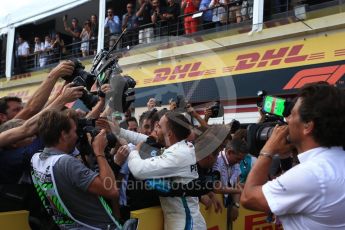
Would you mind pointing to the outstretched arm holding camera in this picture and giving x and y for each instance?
(208, 113)
(99, 107)
(194, 114)
(29, 128)
(40, 97)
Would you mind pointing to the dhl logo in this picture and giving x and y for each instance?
(331, 74)
(181, 71)
(270, 58)
(247, 61)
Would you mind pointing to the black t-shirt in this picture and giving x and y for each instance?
(76, 30)
(139, 197)
(174, 10)
(94, 30)
(145, 17)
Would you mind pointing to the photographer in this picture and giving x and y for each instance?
(17, 145)
(311, 194)
(177, 161)
(74, 189)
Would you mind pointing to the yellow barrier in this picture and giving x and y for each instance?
(149, 218)
(214, 221)
(152, 218)
(252, 220)
(16, 220)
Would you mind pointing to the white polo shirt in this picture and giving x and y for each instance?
(311, 195)
(23, 49)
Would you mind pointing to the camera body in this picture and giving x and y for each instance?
(181, 104)
(274, 109)
(108, 71)
(123, 93)
(217, 110)
(258, 134)
(86, 126)
(80, 77)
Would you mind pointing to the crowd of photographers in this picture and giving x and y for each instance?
(77, 170)
(82, 170)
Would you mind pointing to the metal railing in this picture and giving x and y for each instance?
(237, 14)
(164, 29)
(2, 67)
(287, 8)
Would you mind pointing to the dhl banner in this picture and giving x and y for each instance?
(243, 60)
(251, 220)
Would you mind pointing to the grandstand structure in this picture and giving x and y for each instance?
(275, 48)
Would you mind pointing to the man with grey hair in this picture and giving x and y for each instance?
(228, 166)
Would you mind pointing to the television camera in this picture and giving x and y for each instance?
(105, 70)
(274, 109)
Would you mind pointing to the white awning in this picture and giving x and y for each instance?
(34, 11)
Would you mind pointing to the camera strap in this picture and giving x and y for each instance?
(44, 181)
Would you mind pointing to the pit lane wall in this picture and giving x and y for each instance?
(152, 218)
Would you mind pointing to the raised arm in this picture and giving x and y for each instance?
(141, 10)
(29, 128)
(104, 184)
(194, 114)
(40, 97)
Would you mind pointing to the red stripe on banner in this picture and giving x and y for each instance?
(213, 228)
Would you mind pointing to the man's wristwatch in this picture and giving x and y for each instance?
(237, 205)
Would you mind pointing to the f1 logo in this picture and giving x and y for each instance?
(331, 74)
